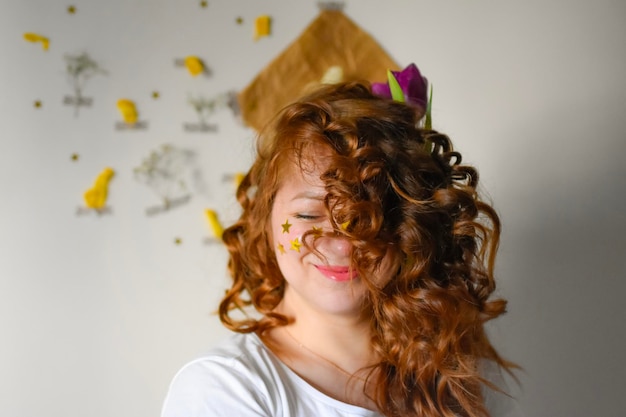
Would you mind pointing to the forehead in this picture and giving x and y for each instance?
(301, 178)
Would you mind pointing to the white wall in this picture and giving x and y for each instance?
(97, 313)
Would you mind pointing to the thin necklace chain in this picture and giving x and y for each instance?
(317, 355)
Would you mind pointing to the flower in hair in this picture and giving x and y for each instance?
(407, 86)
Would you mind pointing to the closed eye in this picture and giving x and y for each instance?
(302, 216)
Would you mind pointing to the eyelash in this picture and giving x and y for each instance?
(306, 217)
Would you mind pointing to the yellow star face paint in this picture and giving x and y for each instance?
(286, 226)
(296, 245)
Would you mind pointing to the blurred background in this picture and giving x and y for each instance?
(99, 308)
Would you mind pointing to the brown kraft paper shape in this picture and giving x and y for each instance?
(332, 39)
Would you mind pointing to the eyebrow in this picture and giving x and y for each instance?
(309, 195)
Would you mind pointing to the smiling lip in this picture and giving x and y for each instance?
(337, 273)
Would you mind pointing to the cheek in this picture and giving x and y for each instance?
(288, 238)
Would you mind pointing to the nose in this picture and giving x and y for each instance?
(334, 247)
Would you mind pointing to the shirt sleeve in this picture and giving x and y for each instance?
(213, 388)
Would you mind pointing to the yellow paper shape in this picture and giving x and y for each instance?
(128, 110)
(34, 37)
(238, 178)
(262, 26)
(214, 223)
(96, 196)
(194, 65)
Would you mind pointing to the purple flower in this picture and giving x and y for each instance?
(414, 86)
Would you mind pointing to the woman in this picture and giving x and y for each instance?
(362, 267)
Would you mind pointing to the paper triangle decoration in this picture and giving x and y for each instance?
(331, 40)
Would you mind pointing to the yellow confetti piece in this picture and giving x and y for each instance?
(238, 178)
(262, 26)
(194, 65)
(281, 248)
(344, 225)
(286, 226)
(317, 231)
(96, 196)
(34, 37)
(178, 241)
(156, 95)
(38, 104)
(204, 3)
(239, 20)
(214, 223)
(71, 9)
(296, 245)
(74, 157)
(128, 110)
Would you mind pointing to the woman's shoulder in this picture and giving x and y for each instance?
(241, 377)
(232, 378)
(235, 350)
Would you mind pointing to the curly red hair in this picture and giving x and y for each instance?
(405, 195)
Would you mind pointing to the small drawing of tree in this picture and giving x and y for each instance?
(80, 68)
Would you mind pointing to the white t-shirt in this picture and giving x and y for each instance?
(243, 378)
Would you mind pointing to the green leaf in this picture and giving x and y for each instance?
(428, 122)
(394, 87)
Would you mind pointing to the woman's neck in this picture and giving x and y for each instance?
(331, 352)
(339, 339)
